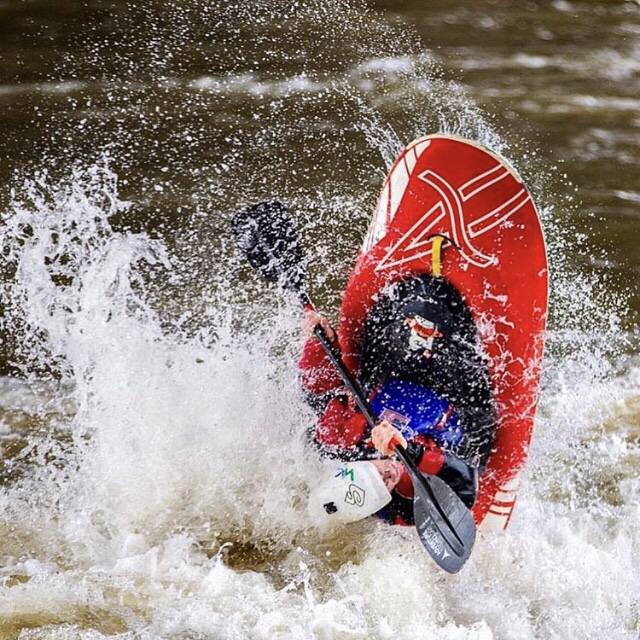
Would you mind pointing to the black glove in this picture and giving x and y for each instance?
(461, 477)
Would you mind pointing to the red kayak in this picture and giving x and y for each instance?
(451, 208)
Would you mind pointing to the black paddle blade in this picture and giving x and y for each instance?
(267, 236)
(445, 525)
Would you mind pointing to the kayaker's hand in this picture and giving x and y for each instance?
(311, 319)
(385, 437)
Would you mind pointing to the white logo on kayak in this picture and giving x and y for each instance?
(417, 242)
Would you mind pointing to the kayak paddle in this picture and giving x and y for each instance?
(267, 236)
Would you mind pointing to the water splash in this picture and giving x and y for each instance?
(168, 434)
(171, 424)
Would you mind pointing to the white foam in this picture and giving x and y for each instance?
(179, 447)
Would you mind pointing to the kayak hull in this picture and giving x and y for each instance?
(493, 253)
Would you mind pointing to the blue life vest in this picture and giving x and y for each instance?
(415, 410)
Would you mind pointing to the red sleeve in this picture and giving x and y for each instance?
(432, 459)
(340, 426)
(431, 462)
(317, 372)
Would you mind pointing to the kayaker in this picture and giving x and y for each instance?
(463, 436)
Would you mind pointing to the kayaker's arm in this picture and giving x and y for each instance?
(318, 375)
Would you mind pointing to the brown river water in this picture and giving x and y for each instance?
(153, 462)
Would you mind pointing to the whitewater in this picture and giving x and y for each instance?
(154, 438)
(162, 490)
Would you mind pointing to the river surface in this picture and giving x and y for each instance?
(154, 464)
